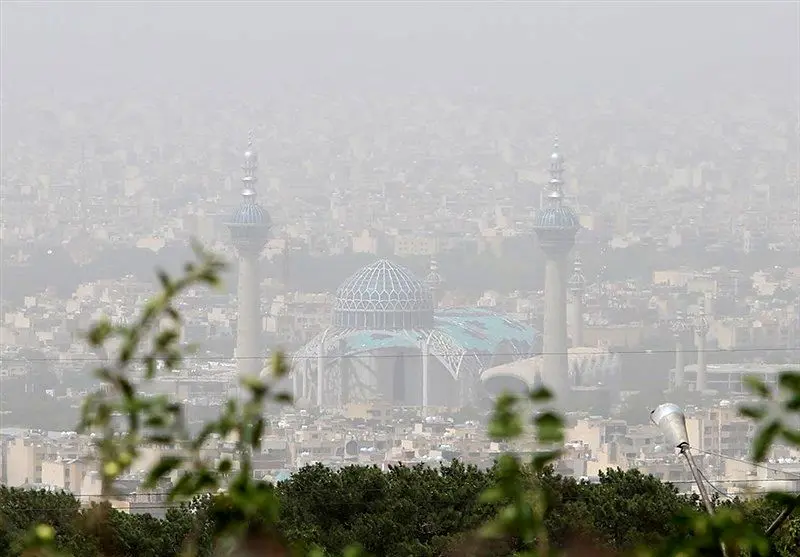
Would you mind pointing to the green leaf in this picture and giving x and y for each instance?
(280, 366)
(492, 495)
(203, 436)
(126, 388)
(283, 398)
(540, 394)
(166, 338)
(758, 386)
(99, 333)
(104, 374)
(160, 439)
(172, 359)
(791, 436)
(126, 352)
(225, 465)
(544, 459)
(789, 381)
(150, 366)
(183, 488)
(164, 467)
(163, 278)
(752, 412)
(505, 422)
(257, 387)
(549, 427)
(505, 428)
(257, 432)
(764, 440)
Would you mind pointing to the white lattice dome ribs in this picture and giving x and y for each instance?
(383, 296)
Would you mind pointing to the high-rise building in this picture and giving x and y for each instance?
(249, 227)
(556, 225)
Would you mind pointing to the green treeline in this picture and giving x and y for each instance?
(404, 512)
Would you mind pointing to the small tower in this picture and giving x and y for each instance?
(435, 282)
(679, 328)
(556, 225)
(577, 287)
(249, 227)
(700, 326)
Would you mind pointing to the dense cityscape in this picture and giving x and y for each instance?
(415, 253)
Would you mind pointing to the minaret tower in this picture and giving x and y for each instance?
(435, 282)
(701, 327)
(577, 286)
(556, 225)
(249, 227)
(679, 328)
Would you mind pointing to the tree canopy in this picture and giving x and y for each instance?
(405, 511)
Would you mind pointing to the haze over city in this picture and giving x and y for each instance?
(423, 206)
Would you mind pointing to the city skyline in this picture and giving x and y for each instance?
(398, 220)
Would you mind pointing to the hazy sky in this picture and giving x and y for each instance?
(577, 48)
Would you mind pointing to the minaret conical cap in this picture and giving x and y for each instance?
(250, 167)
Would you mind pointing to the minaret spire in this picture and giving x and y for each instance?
(250, 167)
(555, 186)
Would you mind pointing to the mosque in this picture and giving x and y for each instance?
(389, 341)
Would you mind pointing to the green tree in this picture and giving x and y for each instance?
(628, 509)
(404, 511)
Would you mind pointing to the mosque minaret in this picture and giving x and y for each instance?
(556, 226)
(679, 327)
(577, 287)
(249, 227)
